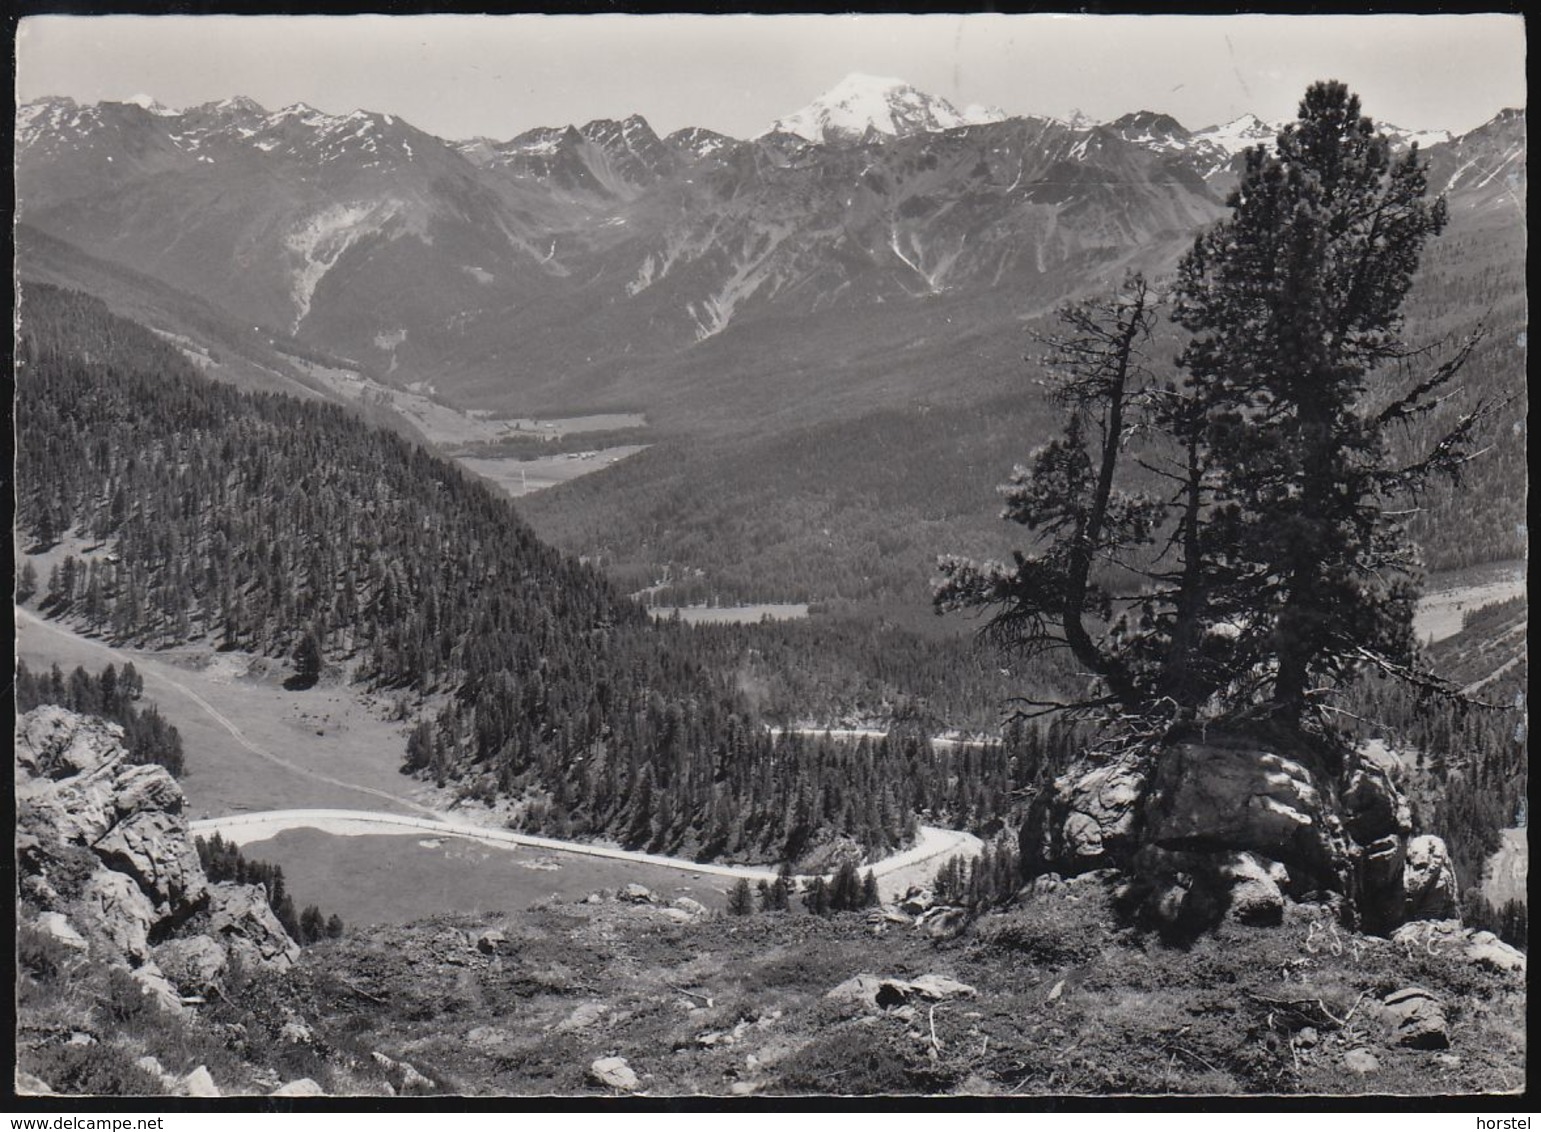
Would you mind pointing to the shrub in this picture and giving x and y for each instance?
(99, 1070)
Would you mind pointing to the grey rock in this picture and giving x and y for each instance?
(155, 984)
(1361, 1061)
(917, 901)
(404, 1077)
(57, 926)
(636, 894)
(1382, 880)
(491, 941)
(303, 1087)
(1206, 796)
(198, 1083)
(1416, 1019)
(614, 1073)
(29, 1086)
(111, 908)
(1429, 881)
(240, 918)
(886, 994)
(194, 964)
(943, 923)
(54, 742)
(1487, 950)
(1255, 897)
(1088, 819)
(1370, 802)
(583, 1015)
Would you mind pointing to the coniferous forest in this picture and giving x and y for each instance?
(264, 523)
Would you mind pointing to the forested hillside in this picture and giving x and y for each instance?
(286, 528)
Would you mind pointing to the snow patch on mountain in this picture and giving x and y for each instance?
(750, 271)
(860, 105)
(1401, 138)
(1239, 134)
(321, 240)
(145, 102)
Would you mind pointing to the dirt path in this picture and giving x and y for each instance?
(217, 779)
(290, 779)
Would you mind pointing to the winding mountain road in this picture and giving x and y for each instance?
(894, 873)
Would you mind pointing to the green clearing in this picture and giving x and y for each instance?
(521, 477)
(399, 878)
(324, 747)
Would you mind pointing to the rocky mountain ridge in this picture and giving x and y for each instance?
(593, 264)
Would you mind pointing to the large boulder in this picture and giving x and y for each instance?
(614, 1073)
(1209, 797)
(1429, 883)
(1382, 882)
(113, 910)
(193, 964)
(1089, 819)
(1416, 1019)
(240, 918)
(302, 1087)
(57, 927)
(1230, 824)
(153, 982)
(1486, 950)
(884, 994)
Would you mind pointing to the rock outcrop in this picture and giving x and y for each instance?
(1089, 818)
(110, 867)
(1429, 885)
(1231, 827)
(241, 920)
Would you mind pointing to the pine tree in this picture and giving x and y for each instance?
(307, 661)
(869, 890)
(1294, 302)
(783, 887)
(845, 889)
(816, 899)
(312, 925)
(26, 582)
(740, 899)
(1276, 566)
(1069, 497)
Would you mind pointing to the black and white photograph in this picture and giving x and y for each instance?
(969, 558)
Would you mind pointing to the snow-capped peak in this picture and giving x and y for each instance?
(1240, 134)
(862, 103)
(145, 102)
(1401, 138)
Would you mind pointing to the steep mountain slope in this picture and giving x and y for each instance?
(726, 288)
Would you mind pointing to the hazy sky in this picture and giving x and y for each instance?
(461, 76)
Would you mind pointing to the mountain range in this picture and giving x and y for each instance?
(604, 266)
(794, 309)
